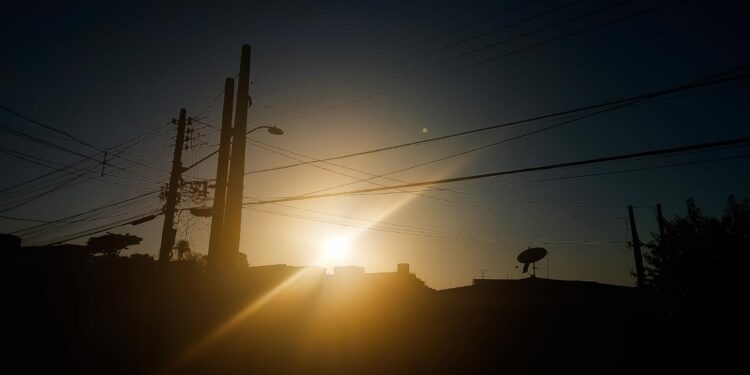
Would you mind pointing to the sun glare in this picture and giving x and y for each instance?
(335, 248)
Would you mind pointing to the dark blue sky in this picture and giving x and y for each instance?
(109, 72)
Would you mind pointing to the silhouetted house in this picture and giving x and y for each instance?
(537, 291)
(284, 270)
(349, 271)
(402, 276)
(275, 274)
(49, 256)
(402, 268)
(402, 279)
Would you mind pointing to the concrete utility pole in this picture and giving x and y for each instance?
(215, 247)
(636, 250)
(168, 232)
(233, 215)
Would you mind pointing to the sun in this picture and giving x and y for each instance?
(335, 249)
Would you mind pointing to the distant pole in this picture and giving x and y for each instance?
(482, 273)
(104, 163)
(660, 219)
(168, 232)
(220, 192)
(636, 249)
(233, 216)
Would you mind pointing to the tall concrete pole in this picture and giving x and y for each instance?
(233, 215)
(168, 232)
(215, 247)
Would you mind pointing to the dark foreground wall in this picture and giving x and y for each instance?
(134, 317)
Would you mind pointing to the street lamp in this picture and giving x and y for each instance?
(271, 129)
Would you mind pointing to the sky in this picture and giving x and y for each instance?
(342, 77)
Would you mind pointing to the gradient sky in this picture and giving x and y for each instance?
(106, 73)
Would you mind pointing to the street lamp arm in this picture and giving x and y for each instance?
(271, 129)
(184, 169)
(256, 128)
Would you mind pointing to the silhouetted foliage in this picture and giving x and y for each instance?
(112, 243)
(9, 241)
(183, 249)
(242, 260)
(141, 260)
(700, 256)
(146, 258)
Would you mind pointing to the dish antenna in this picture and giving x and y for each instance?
(531, 256)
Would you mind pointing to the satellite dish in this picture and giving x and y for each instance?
(531, 256)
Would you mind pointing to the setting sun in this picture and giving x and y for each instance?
(335, 249)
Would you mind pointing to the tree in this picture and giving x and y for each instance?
(111, 243)
(701, 257)
(183, 249)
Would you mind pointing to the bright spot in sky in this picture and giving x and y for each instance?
(424, 130)
(336, 248)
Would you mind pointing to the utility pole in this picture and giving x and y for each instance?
(482, 273)
(215, 247)
(168, 232)
(233, 215)
(636, 249)
(660, 219)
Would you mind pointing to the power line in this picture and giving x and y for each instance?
(396, 226)
(465, 40)
(369, 180)
(70, 136)
(444, 189)
(58, 166)
(39, 195)
(712, 80)
(606, 173)
(54, 229)
(504, 27)
(485, 146)
(26, 182)
(125, 209)
(537, 131)
(35, 220)
(703, 82)
(595, 174)
(53, 129)
(700, 83)
(420, 42)
(57, 186)
(426, 232)
(664, 151)
(357, 179)
(31, 194)
(439, 75)
(108, 205)
(128, 221)
(43, 142)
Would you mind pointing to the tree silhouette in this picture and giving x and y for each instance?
(701, 257)
(111, 243)
(183, 249)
